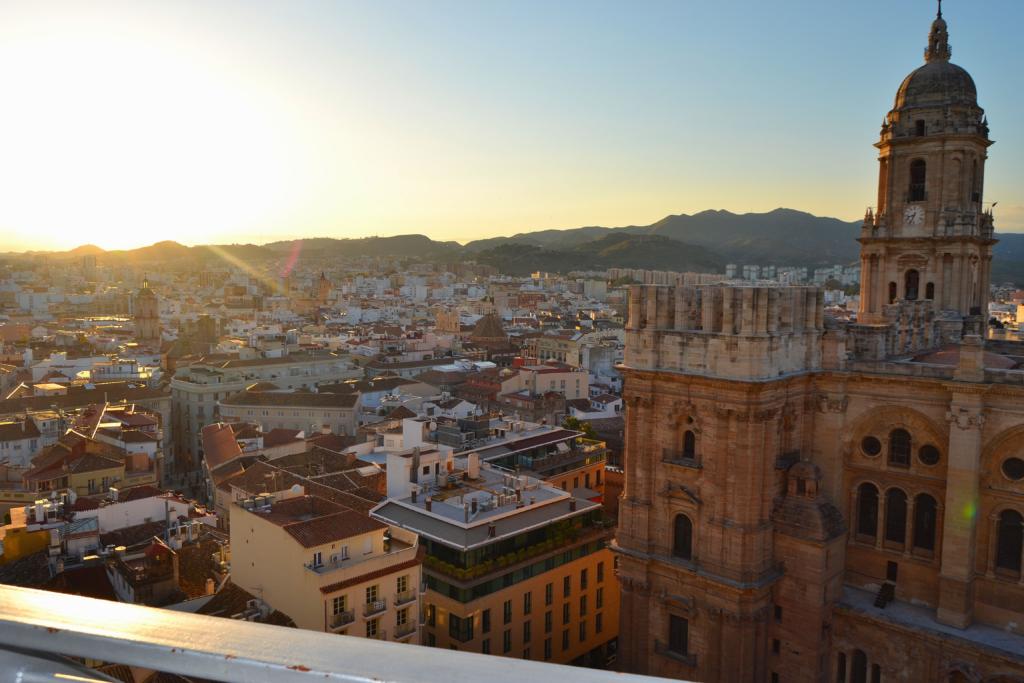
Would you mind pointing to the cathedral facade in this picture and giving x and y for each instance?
(813, 500)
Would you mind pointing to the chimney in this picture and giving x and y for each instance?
(429, 503)
(572, 505)
(492, 530)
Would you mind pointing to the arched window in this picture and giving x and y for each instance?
(919, 128)
(867, 510)
(876, 674)
(682, 539)
(1010, 540)
(975, 185)
(892, 292)
(899, 448)
(689, 444)
(841, 668)
(918, 176)
(895, 516)
(859, 667)
(929, 291)
(925, 522)
(911, 282)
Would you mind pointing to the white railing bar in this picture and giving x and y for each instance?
(232, 650)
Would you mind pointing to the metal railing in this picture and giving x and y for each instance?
(374, 607)
(38, 624)
(405, 597)
(403, 630)
(342, 619)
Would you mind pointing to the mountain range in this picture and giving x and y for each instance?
(704, 241)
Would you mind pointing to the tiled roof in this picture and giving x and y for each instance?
(16, 431)
(90, 581)
(232, 599)
(279, 437)
(314, 521)
(219, 444)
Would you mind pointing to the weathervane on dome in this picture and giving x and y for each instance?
(940, 9)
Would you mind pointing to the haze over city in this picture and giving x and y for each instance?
(436, 342)
(129, 123)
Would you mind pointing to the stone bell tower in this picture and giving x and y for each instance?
(930, 237)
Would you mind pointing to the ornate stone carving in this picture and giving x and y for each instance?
(830, 403)
(965, 420)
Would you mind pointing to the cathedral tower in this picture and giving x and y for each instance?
(930, 237)
(147, 315)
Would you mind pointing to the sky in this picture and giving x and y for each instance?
(126, 123)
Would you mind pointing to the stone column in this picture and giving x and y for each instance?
(959, 527)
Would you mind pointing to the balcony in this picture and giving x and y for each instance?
(335, 563)
(374, 607)
(342, 619)
(38, 625)
(405, 630)
(405, 597)
(381, 634)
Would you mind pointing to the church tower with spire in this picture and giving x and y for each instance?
(930, 236)
(147, 316)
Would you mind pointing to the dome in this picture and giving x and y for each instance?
(937, 84)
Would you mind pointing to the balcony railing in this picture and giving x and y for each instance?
(405, 597)
(406, 629)
(343, 619)
(38, 624)
(374, 607)
(381, 634)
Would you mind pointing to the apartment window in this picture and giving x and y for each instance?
(776, 646)
(431, 615)
(343, 553)
(583, 605)
(678, 634)
(598, 622)
(549, 594)
(583, 580)
(506, 641)
(547, 648)
(583, 631)
(507, 610)
(485, 646)
(778, 614)
(460, 628)
(527, 602)
(431, 640)
(318, 559)
(600, 568)
(566, 586)
(372, 628)
(565, 639)
(565, 613)
(775, 677)
(340, 604)
(527, 631)
(547, 622)
(526, 653)
(485, 621)
(372, 593)
(575, 482)
(402, 616)
(586, 480)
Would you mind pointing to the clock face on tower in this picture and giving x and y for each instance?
(913, 215)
